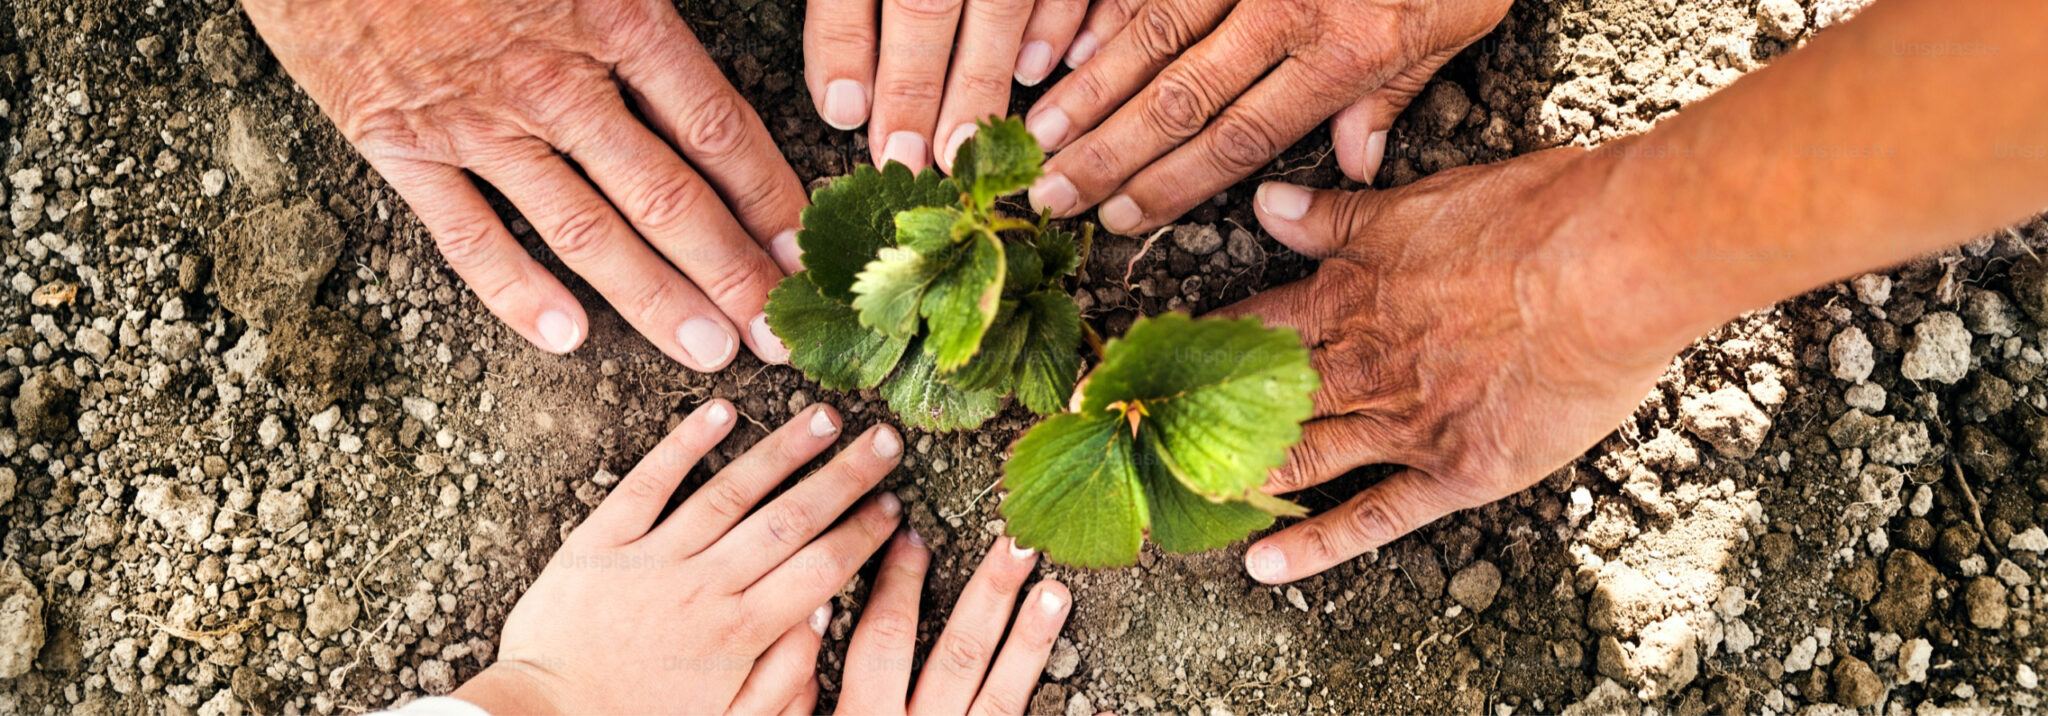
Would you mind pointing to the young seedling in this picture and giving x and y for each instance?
(920, 284)
(1173, 434)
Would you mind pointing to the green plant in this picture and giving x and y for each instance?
(920, 284)
(1173, 434)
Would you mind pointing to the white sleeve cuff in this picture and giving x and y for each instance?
(436, 706)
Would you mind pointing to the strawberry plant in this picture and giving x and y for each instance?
(1172, 435)
(920, 285)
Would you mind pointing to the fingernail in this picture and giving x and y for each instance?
(887, 445)
(846, 104)
(765, 342)
(1034, 62)
(820, 618)
(907, 149)
(916, 539)
(1053, 192)
(717, 414)
(1083, 48)
(822, 425)
(1050, 603)
(960, 135)
(560, 331)
(707, 342)
(1286, 202)
(1266, 563)
(1048, 126)
(1120, 215)
(1375, 151)
(787, 253)
(891, 504)
(1020, 551)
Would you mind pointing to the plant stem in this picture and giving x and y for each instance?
(1094, 340)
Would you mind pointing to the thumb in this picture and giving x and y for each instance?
(1315, 223)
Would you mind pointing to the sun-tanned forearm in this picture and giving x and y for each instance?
(1915, 126)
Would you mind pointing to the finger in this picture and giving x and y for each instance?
(516, 288)
(984, 60)
(839, 59)
(1007, 690)
(684, 218)
(1126, 62)
(780, 528)
(631, 509)
(953, 671)
(1319, 223)
(1329, 448)
(1105, 19)
(806, 701)
(727, 497)
(1290, 305)
(878, 658)
(583, 230)
(1359, 132)
(823, 567)
(1169, 111)
(1047, 37)
(917, 46)
(1271, 116)
(783, 671)
(688, 101)
(1393, 507)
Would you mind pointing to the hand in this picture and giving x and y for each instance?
(1186, 97)
(1466, 327)
(921, 110)
(717, 608)
(533, 96)
(957, 676)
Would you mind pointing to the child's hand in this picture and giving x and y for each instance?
(957, 677)
(711, 609)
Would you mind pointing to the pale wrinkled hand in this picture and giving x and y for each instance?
(719, 607)
(965, 673)
(1186, 97)
(1454, 322)
(670, 218)
(919, 73)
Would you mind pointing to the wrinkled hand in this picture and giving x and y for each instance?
(717, 608)
(917, 88)
(958, 677)
(539, 99)
(1186, 97)
(1464, 330)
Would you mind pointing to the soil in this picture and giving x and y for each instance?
(261, 452)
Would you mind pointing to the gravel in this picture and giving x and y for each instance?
(1939, 350)
(21, 621)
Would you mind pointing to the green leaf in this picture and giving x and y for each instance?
(1183, 521)
(888, 293)
(1002, 158)
(1026, 268)
(1074, 493)
(1049, 364)
(925, 402)
(1059, 253)
(853, 218)
(825, 337)
(963, 300)
(994, 368)
(1226, 397)
(928, 229)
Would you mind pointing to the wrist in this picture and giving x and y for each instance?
(512, 688)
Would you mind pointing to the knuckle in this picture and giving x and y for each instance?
(890, 625)
(1177, 109)
(1373, 520)
(910, 90)
(1088, 87)
(1161, 31)
(642, 488)
(654, 298)
(664, 199)
(580, 233)
(980, 83)
(719, 128)
(850, 39)
(733, 278)
(997, 702)
(1245, 141)
(963, 655)
(928, 9)
(789, 524)
(727, 498)
(1096, 156)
